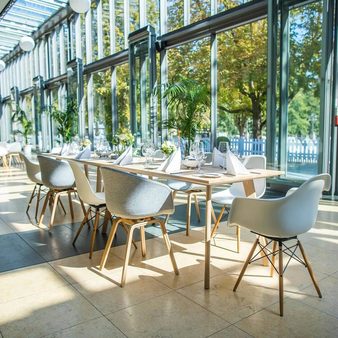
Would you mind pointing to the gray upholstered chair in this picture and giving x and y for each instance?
(34, 174)
(136, 201)
(226, 197)
(58, 177)
(278, 221)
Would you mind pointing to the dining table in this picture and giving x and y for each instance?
(209, 177)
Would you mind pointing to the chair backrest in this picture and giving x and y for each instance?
(132, 196)
(285, 217)
(83, 187)
(55, 174)
(252, 162)
(3, 150)
(32, 169)
(14, 147)
(297, 213)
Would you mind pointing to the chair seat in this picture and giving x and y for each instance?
(224, 197)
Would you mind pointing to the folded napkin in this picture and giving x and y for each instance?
(172, 163)
(56, 151)
(65, 149)
(126, 157)
(218, 159)
(234, 165)
(83, 154)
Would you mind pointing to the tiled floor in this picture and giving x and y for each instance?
(59, 292)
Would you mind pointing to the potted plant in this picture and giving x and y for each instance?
(168, 148)
(188, 103)
(123, 139)
(66, 121)
(26, 128)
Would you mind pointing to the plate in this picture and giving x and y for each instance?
(210, 175)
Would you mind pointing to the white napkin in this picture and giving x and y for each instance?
(56, 151)
(234, 165)
(172, 163)
(126, 157)
(83, 154)
(218, 159)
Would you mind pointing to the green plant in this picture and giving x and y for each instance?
(123, 137)
(27, 125)
(188, 103)
(66, 120)
(168, 148)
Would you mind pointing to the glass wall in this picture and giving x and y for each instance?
(303, 137)
(233, 87)
(242, 87)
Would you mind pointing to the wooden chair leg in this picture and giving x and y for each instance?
(37, 202)
(252, 251)
(308, 266)
(52, 217)
(281, 284)
(109, 243)
(197, 207)
(82, 206)
(213, 214)
(92, 239)
(107, 217)
(273, 258)
(47, 199)
(125, 228)
(168, 244)
(143, 241)
(62, 206)
(127, 255)
(31, 198)
(238, 233)
(218, 221)
(70, 200)
(188, 218)
(84, 221)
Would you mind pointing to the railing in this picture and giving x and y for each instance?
(299, 150)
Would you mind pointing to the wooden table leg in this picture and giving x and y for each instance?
(98, 180)
(207, 236)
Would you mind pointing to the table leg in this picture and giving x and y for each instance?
(207, 236)
(98, 180)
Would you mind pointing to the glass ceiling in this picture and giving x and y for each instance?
(23, 18)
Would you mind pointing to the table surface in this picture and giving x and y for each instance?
(187, 175)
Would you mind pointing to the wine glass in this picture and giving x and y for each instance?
(223, 146)
(197, 152)
(148, 150)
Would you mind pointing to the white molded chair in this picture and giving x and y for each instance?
(58, 177)
(278, 221)
(95, 200)
(34, 174)
(226, 197)
(136, 202)
(14, 150)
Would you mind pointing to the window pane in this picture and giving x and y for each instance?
(175, 14)
(242, 79)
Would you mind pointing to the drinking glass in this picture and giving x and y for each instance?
(148, 150)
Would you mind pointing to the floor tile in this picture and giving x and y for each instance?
(40, 314)
(231, 306)
(98, 328)
(299, 320)
(16, 253)
(170, 315)
(28, 281)
(231, 332)
(104, 291)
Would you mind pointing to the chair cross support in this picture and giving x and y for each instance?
(265, 252)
